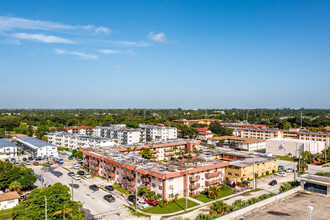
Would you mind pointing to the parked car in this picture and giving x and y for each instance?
(76, 177)
(109, 188)
(232, 182)
(13, 160)
(94, 187)
(151, 202)
(7, 160)
(142, 204)
(30, 158)
(289, 170)
(87, 175)
(27, 162)
(81, 172)
(281, 174)
(273, 183)
(280, 167)
(75, 166)
(109, 198)
(36, 163)
(131, 198)
(39, 158)
(24, 159)
(71, 174)
(50, 162)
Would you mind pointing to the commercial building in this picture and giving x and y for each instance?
(9, 200)
(315, 183)
(124, 135)
(74, 141)
(7, 149)
(239, 142)
(291, 133)
(81, 130)
(198, 121)
(159, 133)
(167, 178)
(242, 163)
(292, 147)
(236, 126)
(36, 147)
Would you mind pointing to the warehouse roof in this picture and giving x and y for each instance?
(6, 143)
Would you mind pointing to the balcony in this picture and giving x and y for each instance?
(195, 186)
(212, 175)
(168, 150)
(169, 154)
(196, 193)
(194, 178)
(210, 182)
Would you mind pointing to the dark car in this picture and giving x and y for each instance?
(39, 158)
(280, 167)
(30, 158)
(81, 172)
(13, 160)
(109, 198)
(7, 160)
(71, 174)
(273, 183)
(131, 198)
(94, 187)
(109, 188)
(24, 159)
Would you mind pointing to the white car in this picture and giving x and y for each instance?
(87, 175)
(289, 170)
(281, 174)
(142, 204)
(76, 177)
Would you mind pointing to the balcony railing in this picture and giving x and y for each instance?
(212, 175)
(195, 186)
(194, 178)
(196, 193)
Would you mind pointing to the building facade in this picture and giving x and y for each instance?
(74, 141)
(159, 133)
(81, 130)
(292, 147)
(7, 149)
(9, 200)
(36, 147)
(240, 142)
(198, 121)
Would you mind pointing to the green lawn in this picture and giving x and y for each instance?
(287, 158)
(118, 188)
(224, 192)
(4, 215)
(171, 207)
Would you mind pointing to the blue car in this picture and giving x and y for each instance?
(280, 167)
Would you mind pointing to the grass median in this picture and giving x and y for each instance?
(175, 206)
(226, 191)
(118, 188)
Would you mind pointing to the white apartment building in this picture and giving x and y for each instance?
(291, 147)
(125, 136)
(7, 149)
(159, 133)
(36, 147)
(75, 141)
(81, 130)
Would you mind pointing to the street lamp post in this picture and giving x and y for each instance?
(310, 209)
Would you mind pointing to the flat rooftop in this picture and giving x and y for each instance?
(293, 207)
(316, 178)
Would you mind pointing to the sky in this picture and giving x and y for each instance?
(164, 54)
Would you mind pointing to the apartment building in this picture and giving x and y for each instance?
(36, 147)
(240, 142)
(7, 149)
(166, 178)
(242, 162)
(125, 136)
(165, 150)
(198, 121)
(291, 134)
(159, 133)
(293, 147)
(81, 130)
(235, 125)
(204, 134)
(74, 141)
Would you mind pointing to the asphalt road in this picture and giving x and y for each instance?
(93, 202)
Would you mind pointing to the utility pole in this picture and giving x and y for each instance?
(136, 189)
(254, 176)
(72, 187)
(325, 155)
(45, 207)
(186, 190)
(247, 117)
(300, 119)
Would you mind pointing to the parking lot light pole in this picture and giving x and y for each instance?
(136, 189)
(72, 187)
(254, 176)
(310, 209)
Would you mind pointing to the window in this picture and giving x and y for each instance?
(159, 179)
(160, 187)
(229, 174)
(153, 185)
(153, 178)
(170, 195)
(236, 175)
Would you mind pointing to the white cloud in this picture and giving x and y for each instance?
(80, 55)
(14, 23)
(107, 51)
(131, 43)
(157, 37)
(42, 38)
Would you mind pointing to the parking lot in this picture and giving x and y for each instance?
(92, 201)
(294, 207)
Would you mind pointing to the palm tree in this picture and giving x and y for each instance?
(219, 208)
(64, 212)
(238, 204)
(214, 192)
(15, 186)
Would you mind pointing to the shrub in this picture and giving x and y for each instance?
(204, 217)
(267, 172)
